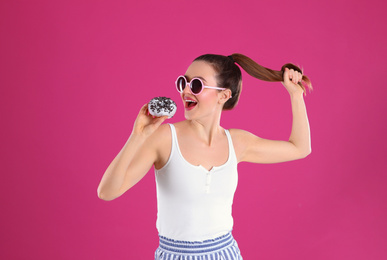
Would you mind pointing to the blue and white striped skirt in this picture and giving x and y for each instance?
(221, 248)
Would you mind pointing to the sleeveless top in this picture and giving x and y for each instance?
(195, 204)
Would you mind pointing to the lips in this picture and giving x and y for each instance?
(189, 103)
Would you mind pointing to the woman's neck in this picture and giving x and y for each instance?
(206, 129)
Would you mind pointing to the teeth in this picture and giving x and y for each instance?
(190, 101)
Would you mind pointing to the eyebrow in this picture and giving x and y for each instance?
(196, 77)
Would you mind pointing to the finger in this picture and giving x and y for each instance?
(156, 118)
(144, 106)
(160, 120)
(143, 109)
(291, 75)
(295, 77)
(286, 75)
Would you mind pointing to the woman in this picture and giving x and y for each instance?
(196, 160)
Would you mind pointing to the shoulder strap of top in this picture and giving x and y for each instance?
(230, 144)
(174, 136)
(173, 148)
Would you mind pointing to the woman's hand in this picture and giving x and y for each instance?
(292, 79)
(145, 123)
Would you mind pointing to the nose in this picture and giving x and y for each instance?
(186, 90)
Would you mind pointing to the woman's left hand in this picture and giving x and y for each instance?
(292, 78)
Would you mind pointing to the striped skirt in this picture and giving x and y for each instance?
(221, 248)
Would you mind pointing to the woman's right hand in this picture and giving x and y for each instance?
(145, 123)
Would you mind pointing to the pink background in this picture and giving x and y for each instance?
(73, 75)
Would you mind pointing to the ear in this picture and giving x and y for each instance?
(224, 96)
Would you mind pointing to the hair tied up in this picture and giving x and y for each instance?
(231, 58)
(305, 82)
(290, 66)
(266, 74)
(229, 74)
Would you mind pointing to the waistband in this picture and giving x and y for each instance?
(202, 247)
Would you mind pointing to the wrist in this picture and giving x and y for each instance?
(297, 95)
(137, 137)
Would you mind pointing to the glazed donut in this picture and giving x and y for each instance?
(162, 106)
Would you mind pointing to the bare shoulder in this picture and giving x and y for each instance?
(240, 135)
(162, 135)
(241, 139)
(180, 125)
(163, 129)
(237, 132)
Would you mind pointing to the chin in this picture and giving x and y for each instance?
(188, 116)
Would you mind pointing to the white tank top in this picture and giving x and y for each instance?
(195, 204)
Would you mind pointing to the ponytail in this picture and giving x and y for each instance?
(257, 71)
(229, 74)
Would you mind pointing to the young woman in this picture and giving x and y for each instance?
(196, 159)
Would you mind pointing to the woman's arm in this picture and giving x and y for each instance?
(134, 160)
(251, 148)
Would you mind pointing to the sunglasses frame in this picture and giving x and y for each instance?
(190, 85)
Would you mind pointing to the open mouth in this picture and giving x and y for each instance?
(189, 104)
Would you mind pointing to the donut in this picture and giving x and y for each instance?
(162, 106)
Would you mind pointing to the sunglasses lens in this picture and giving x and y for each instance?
(196, 86)
(180, 84)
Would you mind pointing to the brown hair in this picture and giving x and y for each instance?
(229, 75)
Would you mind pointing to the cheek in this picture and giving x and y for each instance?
(208, 102)
(208, 97)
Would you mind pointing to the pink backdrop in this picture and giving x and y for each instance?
(73, 75)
